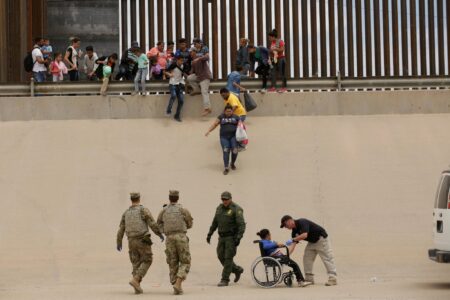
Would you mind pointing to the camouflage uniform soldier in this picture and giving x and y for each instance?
(174, 221)
(135, 222)
(229, 220)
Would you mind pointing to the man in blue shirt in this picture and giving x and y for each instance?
(234, 81)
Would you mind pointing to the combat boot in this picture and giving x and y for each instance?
(331, 281)
(238, 275)
(135, 283)
(223, 283)
(177, 288)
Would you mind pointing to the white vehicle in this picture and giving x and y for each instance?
(441, 224)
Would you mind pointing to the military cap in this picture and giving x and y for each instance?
(174, 193)
(225, 195)
(135, 196)
(284, 219)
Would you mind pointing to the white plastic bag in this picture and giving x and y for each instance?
(241, 133)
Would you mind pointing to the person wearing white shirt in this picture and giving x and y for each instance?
(39, 68)
(176, 86)
(90, 66)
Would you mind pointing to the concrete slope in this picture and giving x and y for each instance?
(369, 180)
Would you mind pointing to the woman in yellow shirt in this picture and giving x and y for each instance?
(233, 101)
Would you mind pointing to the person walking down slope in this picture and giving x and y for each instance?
(318, 244)
(233, 101)
(228, 126)
(135, 222)
(230, 223)
(174, 221)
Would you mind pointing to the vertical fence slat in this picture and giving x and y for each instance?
(386, 39)
(142, 36)
(314, 38)
(396, 60)
(187, 20)
(250, 30)
(215, 31)
(405, 46)
(178, 24)
(359, 39)
(413, 30)
(305, 57)
(169, 18)
(223, 29)
(296, 39)
(448, 36)
(160, 23)
(233, 44)
(259, 23)
(440, 11)
(287, 37)
(368, 27)
(277, 15)
(124, 25)
(423, 53)
(351, 67)
(341, 36)
(431, 38)
(332, 38)
(268, 18)
(197, 19)
(323, 40)
(377, 31)
(242, 17)
(133, 20)
(205, 31)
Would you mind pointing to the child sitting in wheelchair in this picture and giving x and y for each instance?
(273, 249)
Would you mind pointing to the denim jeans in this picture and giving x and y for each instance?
(176, 92)
(279, 69)
(39, 76)
(141, 76)
(229, 145)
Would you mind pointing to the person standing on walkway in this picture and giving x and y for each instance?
(174, 221)
(39, 63)
(135, 222)
(200, 78)
(277, 54)
(229, 220)
(71, 58)
(318, 244)
(141, 74)
(228, 126)
(176, 86)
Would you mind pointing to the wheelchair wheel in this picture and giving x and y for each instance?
(266, 272)
(288, 279)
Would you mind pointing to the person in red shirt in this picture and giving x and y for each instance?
(278, 61)
(159, 54)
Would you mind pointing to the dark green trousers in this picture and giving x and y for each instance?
(226, 250)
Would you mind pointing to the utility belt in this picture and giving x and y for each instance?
(226, 234)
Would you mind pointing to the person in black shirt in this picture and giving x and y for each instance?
(318, 244)
(228, 125)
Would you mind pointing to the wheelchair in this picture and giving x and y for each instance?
(267, 271)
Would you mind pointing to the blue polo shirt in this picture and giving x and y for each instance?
(234, 76)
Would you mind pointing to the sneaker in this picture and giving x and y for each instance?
(225, 172)
(282, 90)
(206, 112)
(304, 283)
(233, 167)
(272, 90)
(331, 281)
(168, 114)
(263, 91)
(223, 283)
(238, 275)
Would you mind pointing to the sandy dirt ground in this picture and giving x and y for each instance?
(369, 180)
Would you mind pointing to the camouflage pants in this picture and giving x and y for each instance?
(178, 256)
(226, 250)
(141, 256)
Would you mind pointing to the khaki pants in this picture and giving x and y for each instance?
(141, 256)
(202, 86)
(323, 249)
(104, 86)
(178, 256)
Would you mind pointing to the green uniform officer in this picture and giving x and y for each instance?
(229, 220)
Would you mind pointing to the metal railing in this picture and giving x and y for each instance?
(162, 87)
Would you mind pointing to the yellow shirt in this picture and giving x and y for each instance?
(234, 101)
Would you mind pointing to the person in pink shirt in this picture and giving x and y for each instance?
(58, 68)
(158, 53)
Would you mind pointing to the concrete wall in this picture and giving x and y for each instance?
(95, 22)
(288, 104)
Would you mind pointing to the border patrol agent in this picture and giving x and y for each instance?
(174, 221)
(229, 220)
(135, 222)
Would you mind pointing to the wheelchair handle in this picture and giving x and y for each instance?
(287, 251)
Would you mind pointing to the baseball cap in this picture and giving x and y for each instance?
(225, 195)
(284, 219)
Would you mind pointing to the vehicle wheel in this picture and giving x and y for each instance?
(266, 272)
